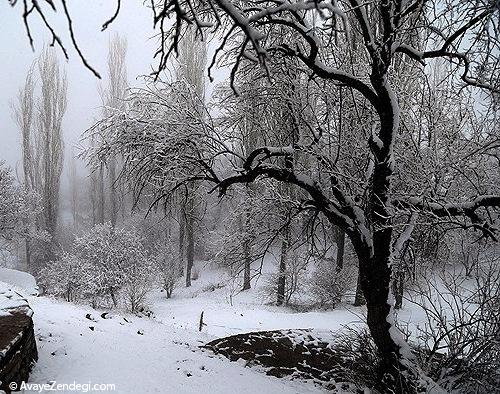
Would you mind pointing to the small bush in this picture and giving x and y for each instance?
(460, 341)
(328, 285)
(107, 266)
(168, 268)
(66, 277)
(139, 280)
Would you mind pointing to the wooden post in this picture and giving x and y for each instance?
(201, 321)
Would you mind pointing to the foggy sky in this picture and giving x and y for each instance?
(134, 22)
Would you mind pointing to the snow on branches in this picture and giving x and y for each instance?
(106, 263)
(18, 207)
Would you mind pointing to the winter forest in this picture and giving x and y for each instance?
(250, 196)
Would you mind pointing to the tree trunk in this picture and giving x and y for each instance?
(340, 240)
(248, 261)
(375, 279)
(246, 244)
(182, 230)
(28, 254)
(359, 298)
(282, 267)
(100, 196)
(398, 287)
(113, 297)
(190, 240)
(113, 205)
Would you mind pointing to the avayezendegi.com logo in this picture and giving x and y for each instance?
(55, 386)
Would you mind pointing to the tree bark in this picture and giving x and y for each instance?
(113, 205)
(375, 278)
(182, 230)
(248, 261)
(359, 298)
(100, 196)
(246, 244)
(398, 288)
(28, 254)
(340, 240)
(190, 239)
(282, 267)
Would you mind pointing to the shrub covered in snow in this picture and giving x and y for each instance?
(460, 338)
(106, 263)
(329, 285)
(66, 277)
(111, 253)
(138, 281)
(168, 265)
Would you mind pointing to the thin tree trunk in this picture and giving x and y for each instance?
(246, 244)
(282, 267)
(398, 288)
(190, 239)
(28, 255)
(113, 298)
(190, 251)
(100, 196)
(248, 261)
(340, 239)
(182, 231)
(113, 206)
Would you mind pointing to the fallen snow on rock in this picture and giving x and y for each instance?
(22, 281)
(11, 300)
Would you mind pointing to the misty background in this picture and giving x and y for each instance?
(134, 23)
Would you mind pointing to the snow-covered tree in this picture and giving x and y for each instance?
(18, 207)
(118, 262)
(68, 276)
(40, 123)
(370, 210)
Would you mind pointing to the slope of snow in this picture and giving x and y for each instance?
(137, 355)
(247, 312)
(162, 354)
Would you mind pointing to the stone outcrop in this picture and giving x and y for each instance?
(18, 350)
(297, 353)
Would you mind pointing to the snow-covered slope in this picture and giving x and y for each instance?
(137, 355)
(162, 354)
(246, 312)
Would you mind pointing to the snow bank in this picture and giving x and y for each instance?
(22, 281)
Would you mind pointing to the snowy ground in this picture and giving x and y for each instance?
(161, 354)
(143, 355)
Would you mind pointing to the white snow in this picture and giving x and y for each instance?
(247, 313)
(163, 359)
(11, 299)
(162, 354)
(20, 280)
